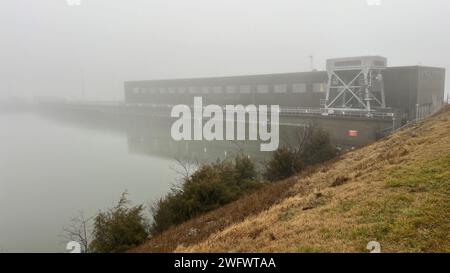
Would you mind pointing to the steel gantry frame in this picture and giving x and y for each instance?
(355, 84)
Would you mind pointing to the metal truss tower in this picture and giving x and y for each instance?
(355, 84)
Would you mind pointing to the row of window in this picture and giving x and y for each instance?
(231, 89)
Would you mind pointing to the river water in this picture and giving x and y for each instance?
(50, 170)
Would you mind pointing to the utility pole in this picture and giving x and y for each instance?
(311, 59)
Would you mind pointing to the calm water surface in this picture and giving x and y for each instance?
(49, 171)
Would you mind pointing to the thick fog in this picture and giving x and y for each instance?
(51, 48)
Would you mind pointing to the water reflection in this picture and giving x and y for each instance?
(151, 136)
(50, 169)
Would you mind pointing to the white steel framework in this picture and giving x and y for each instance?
(355, 84)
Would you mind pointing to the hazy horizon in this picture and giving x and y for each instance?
(50, 48)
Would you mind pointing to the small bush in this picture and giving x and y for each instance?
(119, 228)
(284, 163)
(208, 188)
(340, 180)
(314, 147)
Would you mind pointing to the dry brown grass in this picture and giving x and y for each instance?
(199, 228)
(395, 191)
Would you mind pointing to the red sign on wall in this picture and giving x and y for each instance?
(352, 133)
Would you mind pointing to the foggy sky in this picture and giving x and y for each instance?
(47, 47)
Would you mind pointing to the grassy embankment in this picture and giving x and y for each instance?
(395, 191)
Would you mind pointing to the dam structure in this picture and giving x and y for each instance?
(357, 100)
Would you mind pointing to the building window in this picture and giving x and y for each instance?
(280, 88)
(231, 89)
(298, 88)
(245, 89)
(136, 90)
(205, 90)
(181, 90)
(143, 90)
(172, 90)
(262, 89)
(319, 87)
(162, 90)
(217, 89)
(193, 90)
(152, 90)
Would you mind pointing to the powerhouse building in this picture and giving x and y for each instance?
(412, 91)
